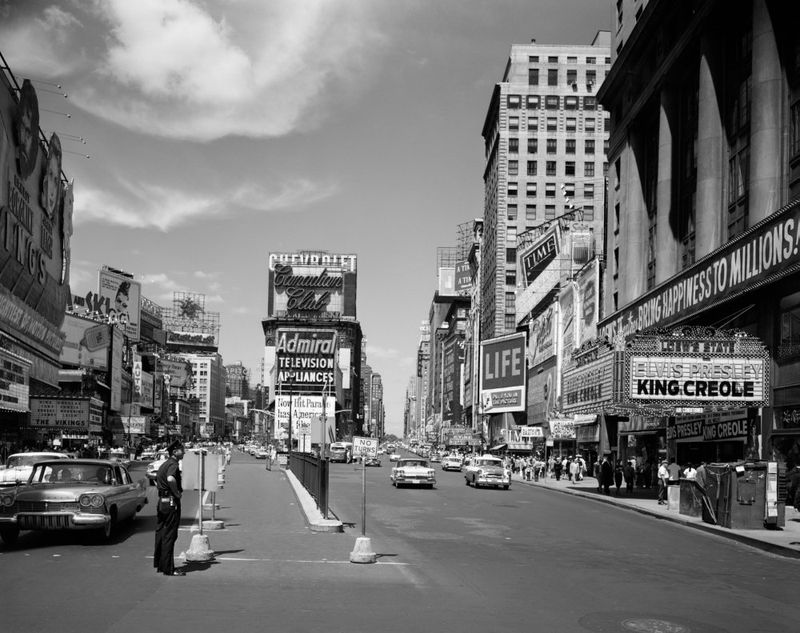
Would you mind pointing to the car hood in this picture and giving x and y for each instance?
(59, 492)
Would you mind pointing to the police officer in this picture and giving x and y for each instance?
(168, 511)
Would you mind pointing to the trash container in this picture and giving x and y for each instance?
(744, 495)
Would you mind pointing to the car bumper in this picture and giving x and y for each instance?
(415, 482)
(55, 521)
(492, 481)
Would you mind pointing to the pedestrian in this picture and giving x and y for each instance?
(629, 474)
(598, 475)
(663, 482)
(690, 472)
(168, 511)
(674, 472)
(606, 475)
(557, 467)
(618, 475)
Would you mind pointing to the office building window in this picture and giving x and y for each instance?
(591, 77)
(571, 103)
(588, 170)
(511, 255)
(552, 102)
(552, 59)
(513, 145)
(530, 212)
(530, 189)
(550, 189)
(570, 123)
(552, 77)
(550, 168)
(588, 146)
(552, 146)
(552, 123)
(510, 319)
(511, 277)
(510, 296)
(533, 76)
(589, 103)
(533, 102)
(570, 146)
(569, 168)
(737, 115)
(569, 187)
(511, 234)
(511, 212)
(588, 190)
(513, 167)
(533, 146)
(607, 60)
(591, 60)
(533, 59)
(512, 189)
(531, 171)
(572, 76)
(533, 123)
(514, 101)
(588, 212)
(513, 123)
(549, 211)
(651, 250)
(588, 125)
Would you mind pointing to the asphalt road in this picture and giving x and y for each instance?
(452, 558)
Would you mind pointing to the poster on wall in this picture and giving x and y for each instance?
(588, 283)
(542, 336)
(503, 374)
(123, 297)
(569, 324)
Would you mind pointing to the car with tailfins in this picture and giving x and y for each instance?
(75, 494)
(487, 470)
(412, 471)
(18, 466)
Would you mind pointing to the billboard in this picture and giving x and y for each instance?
(86, 343)
(588, 283)
(568, 320)
(542, 336)
(35, 226)
(463, 278)
(66, 413)
(502, 374)
(122, 295)
(305, 357)
(540, 255)
(305, 412)
(312, 284)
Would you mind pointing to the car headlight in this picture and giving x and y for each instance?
(91, 501)
(7, 501)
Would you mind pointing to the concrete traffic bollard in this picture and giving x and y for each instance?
(362, 552)
(199, 550)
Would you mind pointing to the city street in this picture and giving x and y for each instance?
(455, 557)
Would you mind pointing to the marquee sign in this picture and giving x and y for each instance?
(694, 366)
(588, 380)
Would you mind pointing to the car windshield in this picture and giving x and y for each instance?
(15, 461)
(488, 462)
(414, 462)
(73, 473)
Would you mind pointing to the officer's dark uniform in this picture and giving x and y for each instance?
(168, 516)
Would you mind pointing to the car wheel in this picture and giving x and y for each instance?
(104, 533)
(9, 535)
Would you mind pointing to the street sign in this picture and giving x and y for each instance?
(366, 446)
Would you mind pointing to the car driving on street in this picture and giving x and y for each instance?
(412, 471)
(487, 470)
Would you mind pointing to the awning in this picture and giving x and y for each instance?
(581, 418)
(498, 447)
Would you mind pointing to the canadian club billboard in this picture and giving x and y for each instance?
(503, 365)
(697, 367)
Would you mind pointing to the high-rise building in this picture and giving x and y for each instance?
(208, 388)
(237, 381)
(544, 138)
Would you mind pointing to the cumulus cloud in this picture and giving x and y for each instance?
(161, 207)
(189, 69)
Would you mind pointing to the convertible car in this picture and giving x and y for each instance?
(412, 471)
(80, 494)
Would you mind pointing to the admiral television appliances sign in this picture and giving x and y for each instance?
(305, 357)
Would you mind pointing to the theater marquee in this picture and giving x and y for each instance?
(691, 367)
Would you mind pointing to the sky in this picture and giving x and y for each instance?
(218, 131)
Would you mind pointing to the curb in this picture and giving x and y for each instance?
(311, 512)
(773, 548)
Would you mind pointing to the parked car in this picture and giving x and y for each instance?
(452, 462)
(372, 461)
(487, 470)
(18, 466)
(412, 471)
(80, 494)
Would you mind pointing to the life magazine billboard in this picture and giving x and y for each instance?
(503, 366)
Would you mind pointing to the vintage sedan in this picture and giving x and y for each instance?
(372, 461)
(487, 470)
(412, 471)
(79, 494)
(452, 462)
(18, 466)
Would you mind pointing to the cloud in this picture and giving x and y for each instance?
(189, 69)
(376, 352)
(146, 206)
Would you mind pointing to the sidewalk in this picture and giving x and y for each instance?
(782, 541)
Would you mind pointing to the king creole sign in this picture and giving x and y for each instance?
(697, 366)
